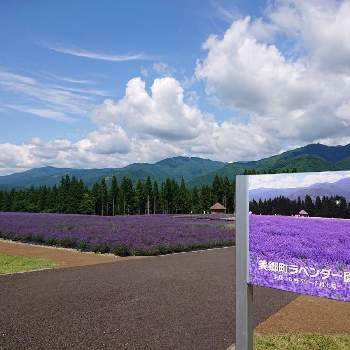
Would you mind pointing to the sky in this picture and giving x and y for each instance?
(297, 180)
(91, 84)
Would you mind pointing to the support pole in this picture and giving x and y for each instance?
(244, 290)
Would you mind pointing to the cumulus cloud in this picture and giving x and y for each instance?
(162, 114)
(106, 140)
(294, 99)
(142, 126)
(321, 28)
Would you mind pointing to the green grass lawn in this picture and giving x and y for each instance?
(11, 264)
(302, 342)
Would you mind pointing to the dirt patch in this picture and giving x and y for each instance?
(309, 315)
(62, 256)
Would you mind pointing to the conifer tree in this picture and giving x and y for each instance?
(114, 195)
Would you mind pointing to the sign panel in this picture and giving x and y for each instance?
(299, 233)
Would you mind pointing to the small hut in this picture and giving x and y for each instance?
(303, 213)
(218, 208)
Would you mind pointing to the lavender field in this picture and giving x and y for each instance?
(304, 255)
(121, 235)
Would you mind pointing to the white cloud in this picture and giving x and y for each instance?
(251, 75)
(162, 114)
(293, 99)
(15, 156)
(321, 28)
(79, 52)
(106, 140)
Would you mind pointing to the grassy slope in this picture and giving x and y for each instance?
(302, 342)
(12, 264)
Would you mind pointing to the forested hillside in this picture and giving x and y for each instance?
(313, 157)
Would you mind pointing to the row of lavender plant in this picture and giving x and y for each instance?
(120, 235)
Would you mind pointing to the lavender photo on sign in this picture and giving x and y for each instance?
(299, 233)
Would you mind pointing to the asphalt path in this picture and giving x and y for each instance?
(180, 301)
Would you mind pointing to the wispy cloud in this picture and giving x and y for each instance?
(76, 81)
(69, 80)
(79, 52)
(225, 13)
(41, 112)
(95, 92)
(47, 99)
(72, 84)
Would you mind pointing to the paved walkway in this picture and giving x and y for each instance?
(180, 301)
(183, 301)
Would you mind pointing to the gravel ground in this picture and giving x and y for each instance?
(309, 315)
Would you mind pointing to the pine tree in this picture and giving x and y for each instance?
(87, 204)
(217, 189)
(140, 199)
(156, 198)
(104, 197)
(195, 201)
(148, 194)
(309, 205)
(128, 195)
(96, 194)
(114, 195)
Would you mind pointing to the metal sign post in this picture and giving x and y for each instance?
(244, 290)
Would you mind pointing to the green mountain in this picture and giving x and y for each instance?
(175, 168)
(313, 157)
(194, 170)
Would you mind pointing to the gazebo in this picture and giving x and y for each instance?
(303, 213)
(218, 208)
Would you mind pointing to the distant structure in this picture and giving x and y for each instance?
(303, 213)
(218, 208)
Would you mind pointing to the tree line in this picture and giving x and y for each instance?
(108, 197)
(326, 206)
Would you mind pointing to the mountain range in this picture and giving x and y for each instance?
(194, 170)
(341, 188)
(175, 168)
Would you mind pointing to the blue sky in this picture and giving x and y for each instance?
(158, 31)
(107, 83)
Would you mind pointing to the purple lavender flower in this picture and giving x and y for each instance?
(315, 252)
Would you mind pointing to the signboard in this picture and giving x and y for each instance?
(293, 234)
(299, 233)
